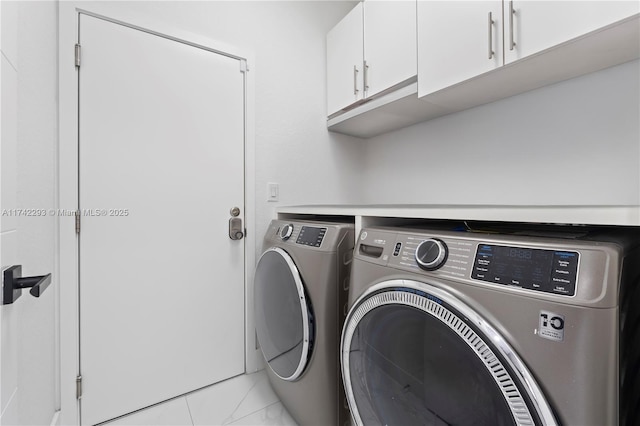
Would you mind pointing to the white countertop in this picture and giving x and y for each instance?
(579, 215)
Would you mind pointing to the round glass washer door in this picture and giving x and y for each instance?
(284, 317)
(414, 354)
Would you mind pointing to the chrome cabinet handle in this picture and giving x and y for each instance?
(490, 35)
(355, 80)
(366, 76)
(512, 12)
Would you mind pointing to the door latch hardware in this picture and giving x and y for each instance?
(13, 282)
(235, 228)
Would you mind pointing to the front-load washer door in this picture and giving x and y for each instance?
(284, 317)
(414, 354)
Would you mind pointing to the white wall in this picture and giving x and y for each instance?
(573, 143)
(292, 145)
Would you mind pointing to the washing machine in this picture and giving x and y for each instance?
(493, 326)
(300, 289)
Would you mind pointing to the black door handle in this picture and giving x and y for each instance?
(13, 283)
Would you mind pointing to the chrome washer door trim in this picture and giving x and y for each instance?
(395, 292)
(304, 308)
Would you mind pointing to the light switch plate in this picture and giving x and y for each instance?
(273, 192)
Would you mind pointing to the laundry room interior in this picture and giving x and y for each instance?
(222, 212)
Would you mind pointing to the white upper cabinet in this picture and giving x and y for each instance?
(345, 59)
(468, 53)
(533, 26)
(372, 49)
(457, 40)
(389, 44)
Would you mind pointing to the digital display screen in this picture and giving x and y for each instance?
(550, 271)
(311, 236)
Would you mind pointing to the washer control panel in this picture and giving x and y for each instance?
(533, 264)
(550, 271)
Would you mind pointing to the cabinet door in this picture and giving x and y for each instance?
(538, 25)
(344, 61)
(389, 43)
(457, 40)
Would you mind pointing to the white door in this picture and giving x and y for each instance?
(344, 61)
(457, 40)
(161, 163)
(27, 324)
(532, 26)
(9, 314)
(389, 43)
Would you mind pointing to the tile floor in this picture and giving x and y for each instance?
(242, 400)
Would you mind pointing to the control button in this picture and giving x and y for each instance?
(564, 273)
(286, 231)
(396, 250)
(431, 254)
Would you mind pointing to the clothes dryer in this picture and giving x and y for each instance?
(301, 284)
(508, 327)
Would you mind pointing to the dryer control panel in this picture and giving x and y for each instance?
(317, 236)
(311, 236)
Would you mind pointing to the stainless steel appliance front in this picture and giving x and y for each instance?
(443, 345)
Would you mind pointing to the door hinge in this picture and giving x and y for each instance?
(77, 222)
(78, 55)
(78, 387)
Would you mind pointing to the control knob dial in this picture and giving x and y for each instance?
(431, 254)
(286, 231)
